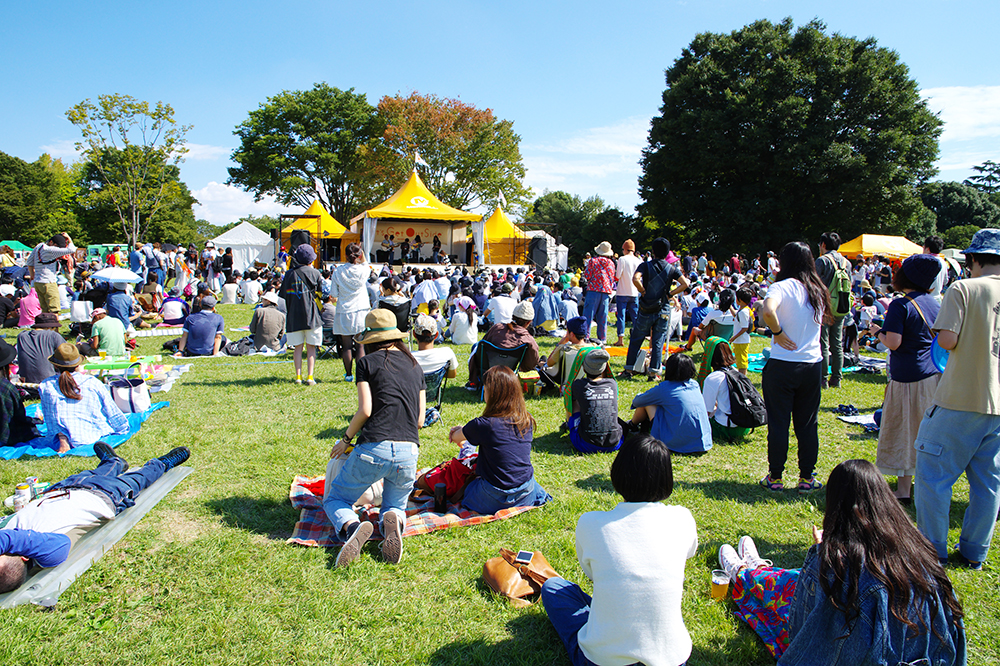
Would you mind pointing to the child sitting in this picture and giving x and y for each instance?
(716, 391)
(594, 426)
(434, 312)
(675, 409)
(465, 324)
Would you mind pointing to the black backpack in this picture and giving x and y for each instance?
(242, 347)
(746, 404)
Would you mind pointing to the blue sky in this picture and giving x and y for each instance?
(579, 80)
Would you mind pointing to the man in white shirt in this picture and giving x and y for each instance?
(933, 245)
(772, 265)
(501, 307)
(250, 290)
(425, 291)
(626, 295)
(429, 357)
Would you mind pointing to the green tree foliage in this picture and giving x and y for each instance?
(471, 154)
(959, 237)
(769, 134)
(133, 147)
(957, 204)
(571, 220)
(300, 138)
(987, 178)
(36, 200)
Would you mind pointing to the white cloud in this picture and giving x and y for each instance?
(225, 204)
(62, 149)
(200, 151)
(968, 112)
(626, 137)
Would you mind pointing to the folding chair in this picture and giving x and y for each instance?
(724, 331)
(435, 382)
(402, 312)
(490, 355)
(330, 344)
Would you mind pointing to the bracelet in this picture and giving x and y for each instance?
(778, 332)
(347, 438)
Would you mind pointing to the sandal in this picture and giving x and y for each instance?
(772, 484)
(809, 485)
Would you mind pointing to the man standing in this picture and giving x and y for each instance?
(299, 288)
(600, 276)
(702, 263)
(831, 339)
(933, 245)
(137, 261)
(961, 432)
(43, 269)
(626, 295)
(654, 280)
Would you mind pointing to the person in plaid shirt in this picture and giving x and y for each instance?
(600, 275)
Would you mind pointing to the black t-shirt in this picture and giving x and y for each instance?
(656, 299)
(299, 288)
(504, 455)
(598, 400)
(6, 307)
(396, 383)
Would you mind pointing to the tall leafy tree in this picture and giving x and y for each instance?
(28, 193)
(307, 144)
(987, 178)
(569, 219)
(133, 146)
(769, 134)
(471, 155)
(958, 204)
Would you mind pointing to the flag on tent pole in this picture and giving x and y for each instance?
(503, 199)
(417, 159)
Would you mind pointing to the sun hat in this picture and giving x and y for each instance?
(304, 254)
(578, 327)
(46, 320)
(66, 356)
(98, 311)
(208, 302)
(921, 270)
(507, 288)
(270, 297)
(120, 286)
(524, 310)
(986, 241)
(596, 361)
(604, 249)
(865, 285)
(7, 353)
(701, 298)
(175, 291)
(425, 324)
(380, 325)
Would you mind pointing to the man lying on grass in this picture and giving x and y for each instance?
(44, 531)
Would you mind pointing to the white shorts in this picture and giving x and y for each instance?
(313, 337)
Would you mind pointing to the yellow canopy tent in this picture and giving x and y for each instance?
(414, 202)
(894, 247)
(322, 228)
(503, 241)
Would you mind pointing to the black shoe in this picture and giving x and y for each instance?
(175, 457)
(104, 452)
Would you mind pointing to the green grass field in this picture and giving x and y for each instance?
(206, 577)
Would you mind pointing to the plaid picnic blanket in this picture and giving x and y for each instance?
(314, 528)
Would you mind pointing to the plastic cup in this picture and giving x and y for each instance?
(720, 584)
(103, 354)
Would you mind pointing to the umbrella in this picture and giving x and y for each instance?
(115, 274)
(168, 247)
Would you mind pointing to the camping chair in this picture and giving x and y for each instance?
(329, 345)
(490, 355)
(724, 331)
(435, 382)
(402, 312)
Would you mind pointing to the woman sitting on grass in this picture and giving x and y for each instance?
(871, 591)
(715, 390)
(635, 556)
(675, 409)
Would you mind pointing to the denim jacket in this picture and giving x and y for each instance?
(815, 628)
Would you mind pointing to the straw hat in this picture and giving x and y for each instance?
(604, 249)
(380, 325)
(66, 356)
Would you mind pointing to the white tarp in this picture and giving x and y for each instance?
(249, 244)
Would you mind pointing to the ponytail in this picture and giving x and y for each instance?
(68, 385)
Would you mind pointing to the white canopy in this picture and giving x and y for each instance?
(249, 244)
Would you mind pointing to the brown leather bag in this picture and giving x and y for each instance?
(515, 580)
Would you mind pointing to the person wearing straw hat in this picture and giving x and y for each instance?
(381, 441)
(15, 426)
(34, 347)
(600, 276)
(78, 408)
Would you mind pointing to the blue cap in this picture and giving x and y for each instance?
(578, 327)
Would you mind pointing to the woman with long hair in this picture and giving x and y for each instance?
(871, 591)
(349, 285)
(391, 404)
(504, 475)
(794, 309)
(78, 408)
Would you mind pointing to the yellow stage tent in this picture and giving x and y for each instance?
(894, 247)
(504, 242)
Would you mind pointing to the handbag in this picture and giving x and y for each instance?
(515, 580)
(131, 395)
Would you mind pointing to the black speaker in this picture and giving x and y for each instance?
(275, 233)
(299, 237)
(538, 252)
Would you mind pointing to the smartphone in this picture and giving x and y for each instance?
(524, 557)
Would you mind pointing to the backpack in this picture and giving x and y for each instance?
(242, 347)
(746, 404)
(840, 290)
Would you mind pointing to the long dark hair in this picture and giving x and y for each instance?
(865, 528)
(68, 385)
(505, 399)
(796, 261)
(385, 344)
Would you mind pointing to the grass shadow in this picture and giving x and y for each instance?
(555, 443)
(245, 383)
(532, 641)
(597, 482)
(272, 518)
(748, 493)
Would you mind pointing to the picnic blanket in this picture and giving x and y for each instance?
(47, 445)
(757, 362)
(314, 528)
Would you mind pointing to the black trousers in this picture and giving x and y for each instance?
(791, 395)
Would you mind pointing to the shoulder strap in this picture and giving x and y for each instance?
(919, 311)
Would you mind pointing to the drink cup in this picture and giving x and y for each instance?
(103, 354)
(720, 584)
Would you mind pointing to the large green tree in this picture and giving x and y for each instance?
(307, 144)
(133, 147)
(772, 133)
(958, 204)
(37, 200)
(569, 219)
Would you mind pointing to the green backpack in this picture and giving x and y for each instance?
(840, 289)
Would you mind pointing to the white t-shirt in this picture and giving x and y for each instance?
(464, 332)
(798, 322)
(716, 395)
(502, 309)
(635, 555)
(627, 264)
(172, 309)
(723, 318)
(432, 360)
(251, 291)
(62, 513)
(742, 321)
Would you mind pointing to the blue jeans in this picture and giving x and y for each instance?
(948, 443)
(483, 497)
(393, 462)
(586, 447)
(121, 488)
(595, 308)
(625, 306)
(641, 327)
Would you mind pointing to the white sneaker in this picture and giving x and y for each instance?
(730, 561)
(747, 551)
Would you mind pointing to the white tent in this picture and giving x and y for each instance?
(249, 244)
(556, 258)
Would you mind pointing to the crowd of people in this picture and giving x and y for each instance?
(872, 590)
